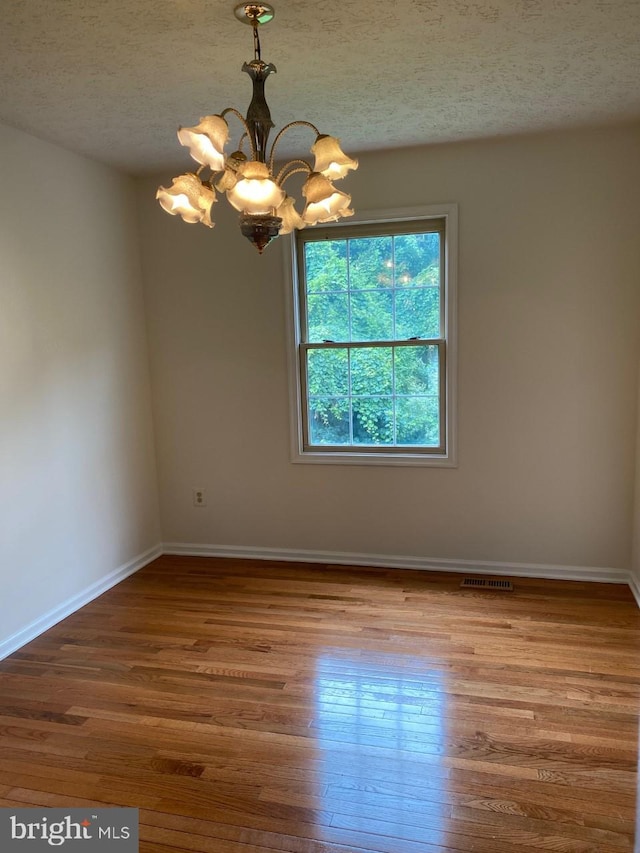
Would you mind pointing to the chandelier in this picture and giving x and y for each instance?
(250, 182)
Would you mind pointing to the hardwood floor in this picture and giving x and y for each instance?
(251, 707)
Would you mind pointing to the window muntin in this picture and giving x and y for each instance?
(372, 340)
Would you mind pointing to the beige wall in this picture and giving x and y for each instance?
(635, 557)
(548, 356)
(78, 493)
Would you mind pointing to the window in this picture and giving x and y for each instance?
(373, 348)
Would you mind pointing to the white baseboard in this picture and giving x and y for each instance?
(48, 620)
(527, 570)
(348, 558)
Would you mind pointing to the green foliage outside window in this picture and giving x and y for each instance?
(374, 289)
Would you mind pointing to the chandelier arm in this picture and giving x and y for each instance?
(283, 174)
(284, 130)
(244, 136)
(247, 131)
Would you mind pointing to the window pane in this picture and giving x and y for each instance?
(370, 263)
(372, 420)
(329, 421)
(417, 260)
(418, 421)
(417, 313)
(371, 371)
(416, 370)
(328, 372)
(328, 317)
(326, 265)
(372, 305)
(372, 316)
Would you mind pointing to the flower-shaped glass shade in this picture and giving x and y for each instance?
(255, 192)
(343, 213)
(189, 198)
(324, 202)
(291, 219)
(331, 160)
(206, 141)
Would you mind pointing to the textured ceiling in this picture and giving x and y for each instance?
(113, 78)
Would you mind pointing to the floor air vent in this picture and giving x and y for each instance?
(483, 583)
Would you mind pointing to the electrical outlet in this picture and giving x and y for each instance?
(199, 497)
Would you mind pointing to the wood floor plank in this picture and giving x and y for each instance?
(252, 707)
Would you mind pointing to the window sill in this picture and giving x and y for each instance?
(418, 460)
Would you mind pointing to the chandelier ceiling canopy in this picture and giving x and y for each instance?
(249, 180)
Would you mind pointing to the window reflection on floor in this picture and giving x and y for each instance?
(380, 723)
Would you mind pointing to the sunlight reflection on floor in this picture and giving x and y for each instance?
(380, 722)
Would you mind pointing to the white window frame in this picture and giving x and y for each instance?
(355, 456)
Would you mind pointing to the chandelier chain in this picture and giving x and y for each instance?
(257, 53)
